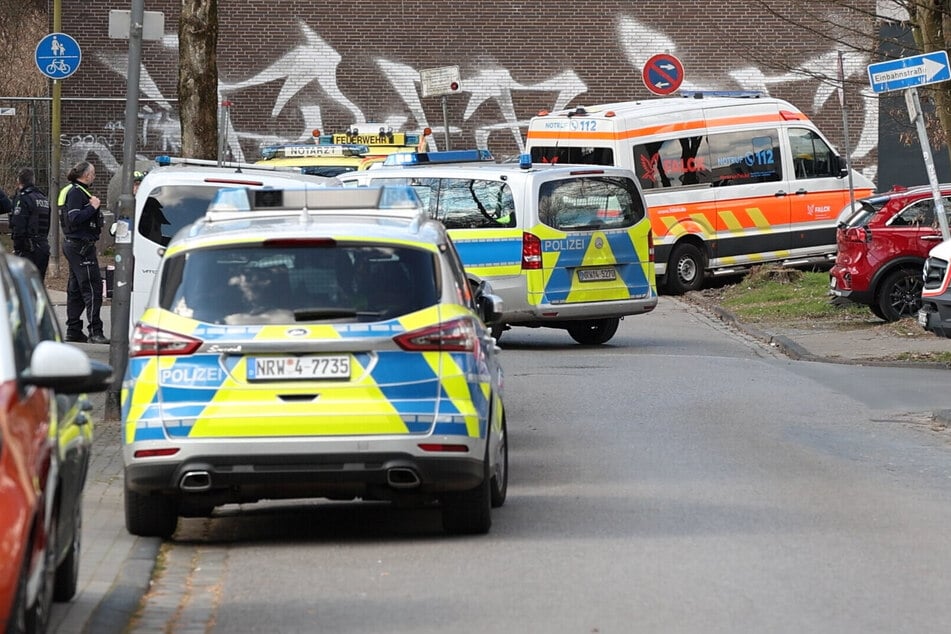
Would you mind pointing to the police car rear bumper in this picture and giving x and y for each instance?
(247, 478)
(546, 313)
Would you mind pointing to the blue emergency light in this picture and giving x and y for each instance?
(439, 158)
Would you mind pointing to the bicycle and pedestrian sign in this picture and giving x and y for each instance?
(909, 72)
(58, 55)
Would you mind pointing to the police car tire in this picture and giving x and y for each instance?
(469, 512)
(500, 479)
(684, 269)
(895, 288)
(594, 332)
(67, 573)
(150, 516)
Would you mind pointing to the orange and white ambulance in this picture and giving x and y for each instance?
(730, 181)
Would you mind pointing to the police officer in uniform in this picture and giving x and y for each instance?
(30, 222)
(81, 221)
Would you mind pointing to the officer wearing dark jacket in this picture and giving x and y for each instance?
(30, 222)
(81, 221)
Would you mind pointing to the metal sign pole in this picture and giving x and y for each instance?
(845, 132)
(445, 121)
(122, 292)
(917, 117)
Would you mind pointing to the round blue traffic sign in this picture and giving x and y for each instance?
(663, 74)
(58, 55)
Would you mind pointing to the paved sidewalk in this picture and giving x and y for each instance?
(115, 567)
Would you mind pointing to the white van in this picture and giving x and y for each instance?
(730, 181)
(177, 193)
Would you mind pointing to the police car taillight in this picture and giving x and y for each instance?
(650, 246)
(148, 341)
(456, 335)
(531, 252)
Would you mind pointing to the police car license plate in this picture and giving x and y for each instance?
(596, 275)
(290, 368)
(923, 318)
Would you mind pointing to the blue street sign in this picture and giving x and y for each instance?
(58, 56)
(909, 72)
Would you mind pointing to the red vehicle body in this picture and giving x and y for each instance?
(882, 247)
(45, 442)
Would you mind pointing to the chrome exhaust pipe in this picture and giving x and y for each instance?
(195, 481)
(402, 478)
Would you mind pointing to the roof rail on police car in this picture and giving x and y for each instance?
(165, 160)
(439, 158)
(385, 201)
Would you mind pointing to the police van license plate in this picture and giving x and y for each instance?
(289, 368)
(596, 275)
(923, 318)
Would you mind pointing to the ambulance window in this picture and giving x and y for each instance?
(469, 203)
(578, 155)
(580, 204)
(812, 156)
(739, 158)
(672, 163)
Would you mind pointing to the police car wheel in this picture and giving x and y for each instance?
(684, 269)
(500, 479)
(593, 332)
(497, 330)
(150, 515)
(469, 512)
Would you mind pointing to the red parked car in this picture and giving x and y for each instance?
(45, 442)
(882, 247)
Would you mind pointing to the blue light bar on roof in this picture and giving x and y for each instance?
(439, 158)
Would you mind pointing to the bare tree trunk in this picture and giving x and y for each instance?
(198, 78)
(930, 20)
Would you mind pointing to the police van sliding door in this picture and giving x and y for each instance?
(752, 197)
(818, 192)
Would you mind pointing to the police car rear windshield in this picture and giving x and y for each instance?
(580, 203)
(326, 282)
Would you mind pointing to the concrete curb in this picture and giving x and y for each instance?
(799, 353)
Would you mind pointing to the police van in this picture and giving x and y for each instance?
(730, 181)
(565, 247)
(177, 193)
(358, 148)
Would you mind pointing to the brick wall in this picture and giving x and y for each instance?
(291, 66)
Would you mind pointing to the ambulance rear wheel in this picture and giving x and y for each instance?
(684, 269)
(594, 332)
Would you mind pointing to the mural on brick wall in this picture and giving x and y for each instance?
(313, 62)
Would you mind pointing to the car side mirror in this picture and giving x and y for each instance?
(488, 304)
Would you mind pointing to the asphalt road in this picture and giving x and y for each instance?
(684, 478)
